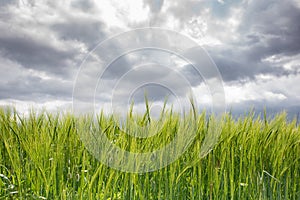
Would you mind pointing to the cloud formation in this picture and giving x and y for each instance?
(255, 45)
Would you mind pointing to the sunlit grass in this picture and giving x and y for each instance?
(42, 157)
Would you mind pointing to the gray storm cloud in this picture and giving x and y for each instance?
(42, 44)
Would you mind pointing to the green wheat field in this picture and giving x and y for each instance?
(42, 157)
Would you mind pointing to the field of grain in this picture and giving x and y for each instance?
(42, 157)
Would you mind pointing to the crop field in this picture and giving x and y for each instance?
(43, 157)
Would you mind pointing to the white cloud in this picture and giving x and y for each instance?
(266, 89)
(290, 63)
(129, 11)
(25, 107)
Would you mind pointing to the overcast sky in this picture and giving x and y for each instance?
(255, 45)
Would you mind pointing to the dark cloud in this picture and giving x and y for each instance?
(267, 28)
(275, 24)
(33, 88)
(4, 3)
(157, 81)
(88, 31)
(154, 92)
(83, 5)
(192, 74)
(239, 65)
(36, 53)
(34, 67)
(259, 107)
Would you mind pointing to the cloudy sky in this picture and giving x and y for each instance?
(43, 45)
